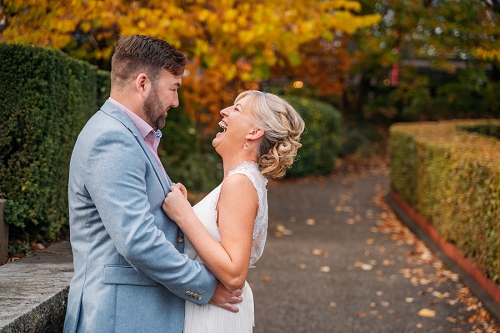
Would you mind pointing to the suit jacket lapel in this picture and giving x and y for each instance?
(113, 111)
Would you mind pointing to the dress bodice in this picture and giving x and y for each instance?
(206, 211)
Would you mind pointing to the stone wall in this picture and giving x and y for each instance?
(34, 291)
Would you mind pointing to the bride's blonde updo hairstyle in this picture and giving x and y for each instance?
(282, 126)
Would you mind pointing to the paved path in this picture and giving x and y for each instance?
(337, 260)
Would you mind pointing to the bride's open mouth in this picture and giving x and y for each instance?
(223, 125)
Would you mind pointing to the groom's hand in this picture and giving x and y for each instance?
(223, 298)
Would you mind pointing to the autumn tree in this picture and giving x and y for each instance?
(442, 34)
(231, 45)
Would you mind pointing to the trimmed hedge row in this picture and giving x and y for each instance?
(449, 172)
(46, 97)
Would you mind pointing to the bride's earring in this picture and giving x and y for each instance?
(245, 146)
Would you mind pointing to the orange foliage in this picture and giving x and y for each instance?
(231, 44)
(325, 65)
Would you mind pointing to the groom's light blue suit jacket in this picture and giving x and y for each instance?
(130, 271)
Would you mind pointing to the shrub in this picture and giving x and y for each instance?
(451, 177)
(44, 106)
(321, 141)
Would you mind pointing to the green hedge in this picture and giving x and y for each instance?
(46, 98)
(321, 141)
(450, 175)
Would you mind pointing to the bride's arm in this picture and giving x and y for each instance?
(237, 209)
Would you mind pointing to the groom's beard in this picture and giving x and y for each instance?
(154, 110)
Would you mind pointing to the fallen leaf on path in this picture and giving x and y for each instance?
(370, 241)
(387, 262)
(310, 221)
(424, 281)
(452, 301)
(325, 269)
(363, 266)
(266, 279)
(427, 313)
(333, 304)
(406, 272)
(318, 252)
(440, 295)
(282, 230)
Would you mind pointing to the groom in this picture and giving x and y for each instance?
(130, 273)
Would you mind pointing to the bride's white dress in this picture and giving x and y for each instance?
(209, 318)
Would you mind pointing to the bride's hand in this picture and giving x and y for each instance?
(175, 204)
(183, 189)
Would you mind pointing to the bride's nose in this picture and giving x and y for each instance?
(224, 112)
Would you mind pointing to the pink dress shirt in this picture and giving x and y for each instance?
(151, 137)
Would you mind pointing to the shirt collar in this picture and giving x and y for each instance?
(142, 126)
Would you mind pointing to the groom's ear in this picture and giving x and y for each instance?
(143, 84)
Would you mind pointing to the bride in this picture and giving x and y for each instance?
(227, 229)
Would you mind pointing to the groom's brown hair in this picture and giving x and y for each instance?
(144, 54)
